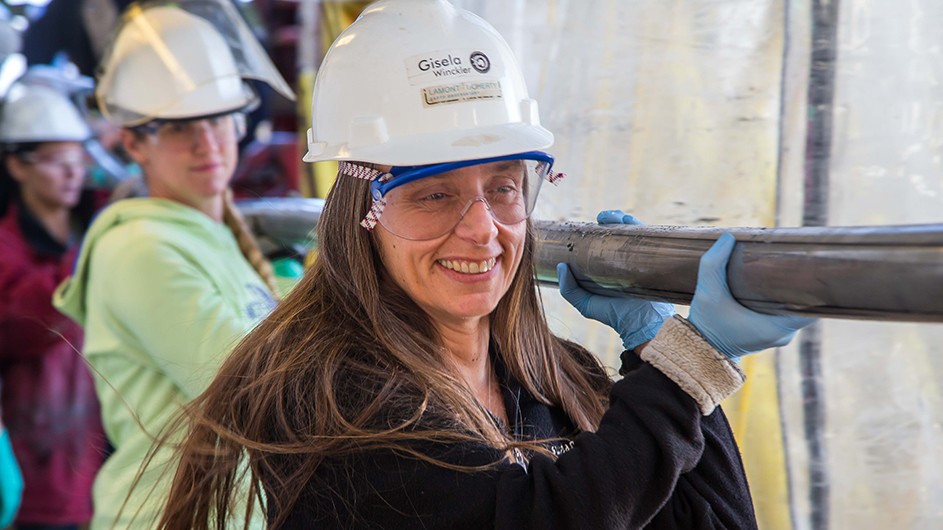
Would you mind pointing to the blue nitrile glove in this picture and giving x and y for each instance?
(11, 482)
(637, 321)
(728, 326)
(617, 217)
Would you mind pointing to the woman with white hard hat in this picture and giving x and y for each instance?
(50, 408)
(411, 380)
(166, 285)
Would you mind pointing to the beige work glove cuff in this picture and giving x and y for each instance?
(681, 353)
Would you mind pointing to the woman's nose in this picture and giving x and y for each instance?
(204, 136)
(477, 222)
(75, 169)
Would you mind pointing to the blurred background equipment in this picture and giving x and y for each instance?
(734, 113)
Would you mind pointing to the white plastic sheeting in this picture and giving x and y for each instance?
(695, 113)
(882, 382)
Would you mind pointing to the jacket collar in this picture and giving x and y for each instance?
(36, 235)
(530, 419)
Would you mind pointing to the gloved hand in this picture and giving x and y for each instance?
(11, 482)
(617, 217)
(728, 326)
(637, 321)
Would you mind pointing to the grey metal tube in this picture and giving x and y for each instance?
(880, 273)
(286, 222)
(883, 273)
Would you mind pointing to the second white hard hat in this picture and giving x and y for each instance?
(415, 82)
(181, 59)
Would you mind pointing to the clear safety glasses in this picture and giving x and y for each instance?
(426, 202)
(64, 162)
(183, 134)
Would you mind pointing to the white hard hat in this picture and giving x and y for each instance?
(10, 39)
(40, 114)
(415, 82)
(181, 59)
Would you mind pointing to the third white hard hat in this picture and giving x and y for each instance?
(415, 82)
(34, 113)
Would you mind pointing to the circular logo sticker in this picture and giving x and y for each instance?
(480, 62)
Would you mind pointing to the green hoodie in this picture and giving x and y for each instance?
(163, 293)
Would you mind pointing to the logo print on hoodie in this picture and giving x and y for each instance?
(261, 302)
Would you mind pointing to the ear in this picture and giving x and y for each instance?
(134, 145)
(15, 167)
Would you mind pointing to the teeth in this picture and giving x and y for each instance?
(469, 267)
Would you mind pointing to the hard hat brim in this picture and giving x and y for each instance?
(463, 144)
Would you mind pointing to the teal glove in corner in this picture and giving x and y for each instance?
(11, 482)
(288, 268)
(636, 320)
(728, 326)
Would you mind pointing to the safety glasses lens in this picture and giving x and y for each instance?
(432, 206)
(184, 133)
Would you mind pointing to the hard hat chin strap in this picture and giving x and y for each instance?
(351, 169)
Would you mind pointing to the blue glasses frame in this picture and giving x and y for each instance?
(406, 174)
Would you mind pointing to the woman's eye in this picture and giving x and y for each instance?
(177, 128)
(433, 197)
(504, 187)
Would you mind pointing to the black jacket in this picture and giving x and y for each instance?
(655, 462)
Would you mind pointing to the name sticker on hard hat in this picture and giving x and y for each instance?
(441, 65)
(436, 95)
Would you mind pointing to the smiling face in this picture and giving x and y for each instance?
(190, 162)
(461, 275)
(51, 176)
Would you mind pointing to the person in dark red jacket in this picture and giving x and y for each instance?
(49, 404)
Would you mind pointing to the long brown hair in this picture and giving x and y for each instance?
(348, 362)
(249, 246)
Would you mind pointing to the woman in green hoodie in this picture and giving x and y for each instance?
(166, 285)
